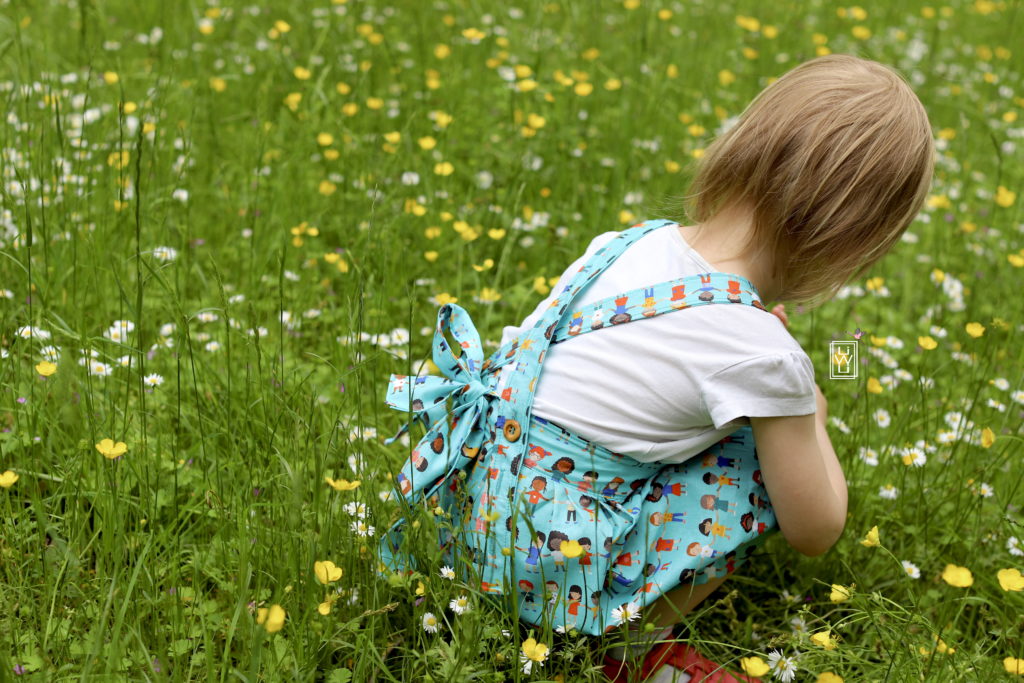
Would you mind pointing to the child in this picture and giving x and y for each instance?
(709, 397)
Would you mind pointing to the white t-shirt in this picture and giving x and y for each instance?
(666, 388)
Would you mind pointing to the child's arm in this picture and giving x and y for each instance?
(803, 478)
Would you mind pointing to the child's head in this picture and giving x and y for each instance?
(832, 161)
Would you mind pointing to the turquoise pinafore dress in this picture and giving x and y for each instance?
(573, 535)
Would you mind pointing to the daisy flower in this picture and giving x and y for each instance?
(153, 380)
(430, 623)
(626, 612)
(913, 456)
(212, 346)
(882, 417)
(985, 490)
(165, 254)
(1000, 383)
(50, 353)
(355, 509)
(868, 455)
(460, 605)
(447, 573)
(798, 625)
(362, 528)
(889, 492)
(100, 369)
(783, 668)
(1013, 545)
(911, 569)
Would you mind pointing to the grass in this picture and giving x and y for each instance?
(321, 176)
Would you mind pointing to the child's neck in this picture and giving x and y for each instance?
(720, 239)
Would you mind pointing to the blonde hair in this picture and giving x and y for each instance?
(834, 159)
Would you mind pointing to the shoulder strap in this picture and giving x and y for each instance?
(664, 297)
(547, 323)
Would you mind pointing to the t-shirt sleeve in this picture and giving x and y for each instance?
(510, 331)
(771, 385)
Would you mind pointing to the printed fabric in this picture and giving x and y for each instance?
(574, 535)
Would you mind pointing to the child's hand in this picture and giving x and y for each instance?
(780, 312)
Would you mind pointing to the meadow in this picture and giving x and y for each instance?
(224, 225)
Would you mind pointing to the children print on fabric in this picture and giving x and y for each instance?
(566, 529)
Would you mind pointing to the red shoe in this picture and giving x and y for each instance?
(677, 655)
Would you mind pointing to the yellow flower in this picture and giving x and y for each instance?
(426, 142)
(486, 265)
(111, 450)
(988, 437)
(1004, 197)
(871, 540)
(324, 139)
(1009, 579)
(326, 571)
(445, 298)
(495, 233)
(444, 168)
(824, 639)
(927, 343)
(828, 677)
(1014, 666)
(540, 285)
(46, 368)
(272, 619)
(218, 84)
(959, 577)
(861, 32)
(420, 588)
(7, 479)
(343, 484)
(301, 73)
(754, 666)
(572, 549)
(324, 608)
(839, 593)
(535, 651)
(110, 77)
(874, 386)
(975, 329)
(430, 255)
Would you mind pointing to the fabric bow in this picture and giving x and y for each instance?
(462, 391)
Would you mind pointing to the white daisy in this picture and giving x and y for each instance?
(911, 569)
(782, 667)
(206, 317)
(1018, 396)
(1013, 545)
(32, 332)
(100, 369)
(839, 424)
(460, 605)
(236, 298)
(355, 509)
(50, 353)
(882, 417)
(627, 612)
(167, 330)
(212, 346)
(430, 623)
(889, 492)
(992, 403)
(165, 254)
(913, 456)
(798, 625)
(1000, 383)
(125, 361)
(153, 380)
(362, 528)
(447, 573)
(985, 491)
(868, 455)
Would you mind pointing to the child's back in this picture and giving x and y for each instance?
(667, 388)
